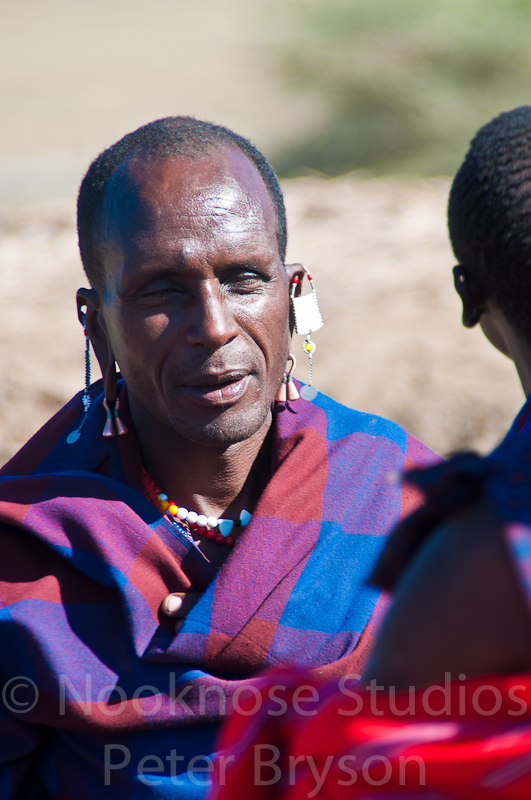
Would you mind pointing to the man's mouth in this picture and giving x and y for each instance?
(217, 389)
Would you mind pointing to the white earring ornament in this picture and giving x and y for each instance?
(307, 320)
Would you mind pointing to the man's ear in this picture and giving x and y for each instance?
(89, 300)
(292, 270)
(472, 294)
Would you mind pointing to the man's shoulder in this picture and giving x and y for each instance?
(343, 421)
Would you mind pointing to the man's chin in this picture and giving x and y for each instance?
(225, 430)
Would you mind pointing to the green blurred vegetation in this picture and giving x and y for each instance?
(400, 85)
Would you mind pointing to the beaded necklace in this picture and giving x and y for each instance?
(212, 528)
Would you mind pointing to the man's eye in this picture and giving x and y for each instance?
(246, 281)
(161, 290)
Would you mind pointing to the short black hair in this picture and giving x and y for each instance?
(489, 214)
(171, 137)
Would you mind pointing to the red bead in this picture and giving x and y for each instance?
(192, 526)
(211, 534)
(309, 277)
(201, 529)
(229, 541)
(219, 538)
(295, 279)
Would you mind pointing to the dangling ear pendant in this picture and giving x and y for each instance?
(85, 397)
(287, 389)
(307, 320)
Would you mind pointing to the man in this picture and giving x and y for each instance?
(182, 235)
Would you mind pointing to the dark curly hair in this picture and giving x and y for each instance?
(489, 214)
(171, 137)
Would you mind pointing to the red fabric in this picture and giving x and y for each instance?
(461, 741)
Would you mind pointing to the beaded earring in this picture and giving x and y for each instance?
(85, 397)
(307, 320)
(287, 389)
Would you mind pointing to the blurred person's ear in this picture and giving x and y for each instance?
(470, 290)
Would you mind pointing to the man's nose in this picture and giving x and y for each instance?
(213, 323)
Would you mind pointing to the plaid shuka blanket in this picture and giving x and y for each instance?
(98, 697)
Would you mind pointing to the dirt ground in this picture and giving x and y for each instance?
(392, 343)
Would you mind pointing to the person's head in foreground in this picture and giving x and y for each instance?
(174, 531)
(444, 706)
(489, 220)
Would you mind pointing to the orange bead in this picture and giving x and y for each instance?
(164, 505)
(173, 509)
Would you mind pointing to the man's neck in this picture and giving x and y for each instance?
(212, 480)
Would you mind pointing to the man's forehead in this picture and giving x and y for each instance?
(214, 184)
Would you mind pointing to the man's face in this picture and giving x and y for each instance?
(196, 302)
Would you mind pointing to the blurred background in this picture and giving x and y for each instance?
(365, 107)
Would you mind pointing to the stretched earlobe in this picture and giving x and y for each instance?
(287, 389)
(88, 305)
(110, 384)
(113, 424)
